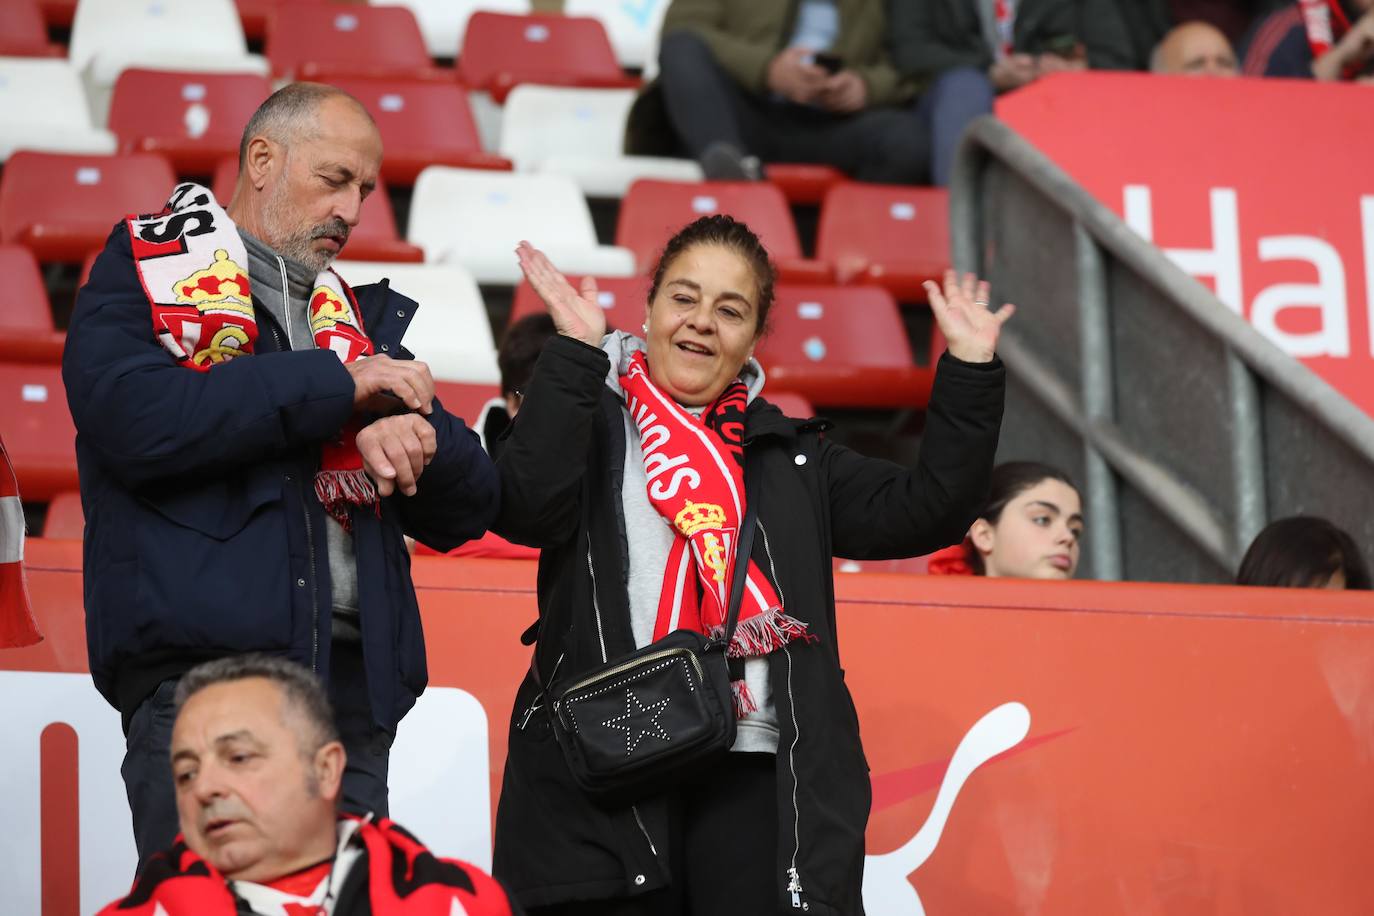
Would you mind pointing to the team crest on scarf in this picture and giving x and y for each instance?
(695, 473)
(191, 260)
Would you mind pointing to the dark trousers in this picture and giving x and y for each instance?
(722, 851)
(706, 105)
(147, 768)
(945, 109)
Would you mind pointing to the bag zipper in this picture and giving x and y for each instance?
(635, 663)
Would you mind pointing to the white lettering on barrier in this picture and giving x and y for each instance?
(1367, 236)
(1327, 295)
(1222, 262)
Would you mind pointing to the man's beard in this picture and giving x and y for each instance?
(296, 245)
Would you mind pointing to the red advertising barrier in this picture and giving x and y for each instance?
(1263, 189)
(1048, 748)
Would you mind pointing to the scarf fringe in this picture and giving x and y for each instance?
(764, 633)
(743, 699)
(339, 489)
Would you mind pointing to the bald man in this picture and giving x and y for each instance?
(1194, 49)
(253, 442)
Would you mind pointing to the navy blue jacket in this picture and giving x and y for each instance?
(204, 536)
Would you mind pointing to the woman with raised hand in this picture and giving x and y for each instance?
(616, 467)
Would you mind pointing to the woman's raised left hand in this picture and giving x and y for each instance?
(961, 310)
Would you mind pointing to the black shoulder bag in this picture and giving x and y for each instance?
(633, 726)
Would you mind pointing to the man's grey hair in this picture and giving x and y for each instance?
(288, 112)
(301, 690)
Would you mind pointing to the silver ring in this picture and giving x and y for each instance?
(982, 302)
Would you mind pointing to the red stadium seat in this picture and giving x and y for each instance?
(26, 328)
(58, 12)
(464, 399)
(623, 298)
(62, 207)
(422, 123)
(790, 403)
(37, 429)
(501, 51)
(23, 32)
(65, 518)
(373, 239)
(653, 210)
(194, 119)
(255, 13)
(802, 182)
(894, 236)
(313, 41)
(842, 346)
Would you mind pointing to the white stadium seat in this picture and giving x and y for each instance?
(443, 22)
(43, 108)
(110, 36)
(632, 26)
(580, 133)
(476, 218)
(450, 330)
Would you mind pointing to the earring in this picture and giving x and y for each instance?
(645, 326)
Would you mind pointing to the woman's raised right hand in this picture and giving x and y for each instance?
(575, 314)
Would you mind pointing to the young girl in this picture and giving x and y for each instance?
(1029, 528)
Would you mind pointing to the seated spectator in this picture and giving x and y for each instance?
(1327, 40)
(258, 768)
(520, 347)
(1194, 49)
(971, 51)
(1029, 528)
(1304, 552)
(742, 84)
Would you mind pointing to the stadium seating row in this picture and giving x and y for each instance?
(631, 28)
(61, 207)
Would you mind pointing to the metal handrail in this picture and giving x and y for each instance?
(1085, 405)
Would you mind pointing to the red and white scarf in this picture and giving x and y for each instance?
(695, 471)
(1004, 17)
(17, 626)
(191, 262)
(1325, 22)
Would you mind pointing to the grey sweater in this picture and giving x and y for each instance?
(282, 287)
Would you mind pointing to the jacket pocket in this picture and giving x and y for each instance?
(214, 571)
(219, 508)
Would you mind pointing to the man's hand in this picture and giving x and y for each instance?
(844, 93)
(1056, 63)
(395, 451)
(793, 76)
(1353, 50)
(1012, 72)
(384, 385)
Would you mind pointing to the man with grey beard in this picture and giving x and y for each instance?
(253, 443)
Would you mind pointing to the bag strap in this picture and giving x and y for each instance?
(745, 549)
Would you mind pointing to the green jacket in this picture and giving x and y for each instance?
(745, 35)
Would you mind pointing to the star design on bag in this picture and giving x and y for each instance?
(639, 720)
